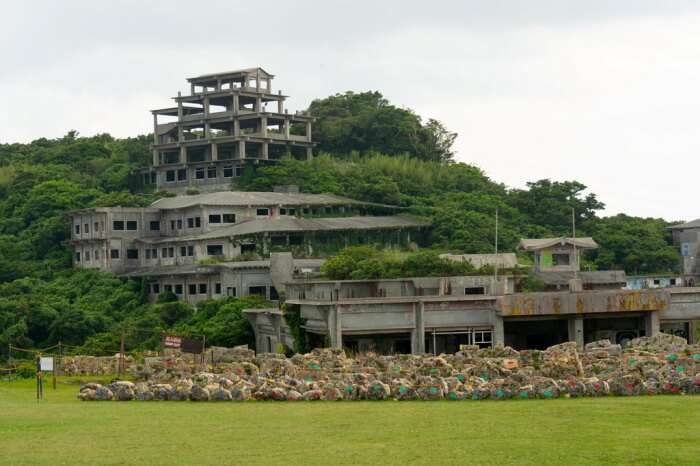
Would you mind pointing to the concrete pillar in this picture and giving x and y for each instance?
(207, 130)
(235, 103)
(236, 128)
(179, 106)
(218, 84)
(498, 331)
(309, 153)
(418, 334)
(280, 106)
(215, 152)
(264, 155)
(308, 131)
(576, 331)
(183, 154)
(156, 162)
(155, 128)
(652, 324)
(286, 128)
(206, 106)
(191, 88)
(241, 149)
(258, 104)
(335, 327)
(268, 84)
(263, 126)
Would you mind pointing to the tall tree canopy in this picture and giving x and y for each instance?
(366, 121)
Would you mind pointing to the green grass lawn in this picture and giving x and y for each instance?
(63, 430)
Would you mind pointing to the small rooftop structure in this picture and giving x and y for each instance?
(546, 243)
(686, 226)
(506, 260)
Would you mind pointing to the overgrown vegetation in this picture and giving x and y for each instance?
(374, 152)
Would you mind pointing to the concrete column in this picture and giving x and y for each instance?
(257, 82)
(652, 324)
(235, 104)
(241, 149)
(268, 84)
(309, 153)
(206, 106)
(258, 104)
(264, 154)
(286, 128)
(191, 88)
(179, 106)
(207, 130)
(308, 131)
(280, 106)
(335, 327)
(155, 128)
(576, 331)
(183, 154)
(156, 162)
(215, 152)
(263, 126)
(418, 334)
(236, 128)
(218, 84)
(498, 332)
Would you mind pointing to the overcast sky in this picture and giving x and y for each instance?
(604, 92)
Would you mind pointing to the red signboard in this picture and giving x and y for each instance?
(172, 341)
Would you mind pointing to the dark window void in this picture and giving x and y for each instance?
(263, 212)
(229, 218)
(215, 250)
(114, 253)
(560, 259)
(250, 247)
(215, 218)
(132, 253)
(132, 225)
(154, 225)
(118, 225)
(257, 291)
(474, 290)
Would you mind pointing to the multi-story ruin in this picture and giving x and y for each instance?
(687, 237)
(229, 121)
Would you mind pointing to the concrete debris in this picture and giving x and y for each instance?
(663, 364)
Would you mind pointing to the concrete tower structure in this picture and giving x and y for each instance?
(229, 120)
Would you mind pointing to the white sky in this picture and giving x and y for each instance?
(604, 92)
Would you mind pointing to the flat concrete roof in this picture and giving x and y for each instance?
(543, 243)
(257, 198)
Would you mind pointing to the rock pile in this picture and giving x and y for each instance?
(92, 365)
(654, 365)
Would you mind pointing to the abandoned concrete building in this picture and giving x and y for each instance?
(438, 314)
(687, 237)
(180, 237)
(229, 120)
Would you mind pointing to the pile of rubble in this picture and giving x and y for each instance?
(663, 364)
(92, 365)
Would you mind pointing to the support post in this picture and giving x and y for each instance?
(335, 327)
(264, 154)
(576, 331)
(215, 152)
(652, 324)
(241, 149)
(498, 331)
(183, 155)
(235, 104)
(308, 131)
(155, 128)
(418, 337)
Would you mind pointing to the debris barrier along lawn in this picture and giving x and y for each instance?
(663, 364)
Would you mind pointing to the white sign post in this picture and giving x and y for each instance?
(46, 364)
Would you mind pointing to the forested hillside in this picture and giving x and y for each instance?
(372, 151)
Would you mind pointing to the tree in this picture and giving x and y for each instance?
(366, 122)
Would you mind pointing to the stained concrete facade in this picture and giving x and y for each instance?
(229, 120)
(184, 230)
(438, 314)
(687, 237)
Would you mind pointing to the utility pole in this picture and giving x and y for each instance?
(121, 354)
(495, 259)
